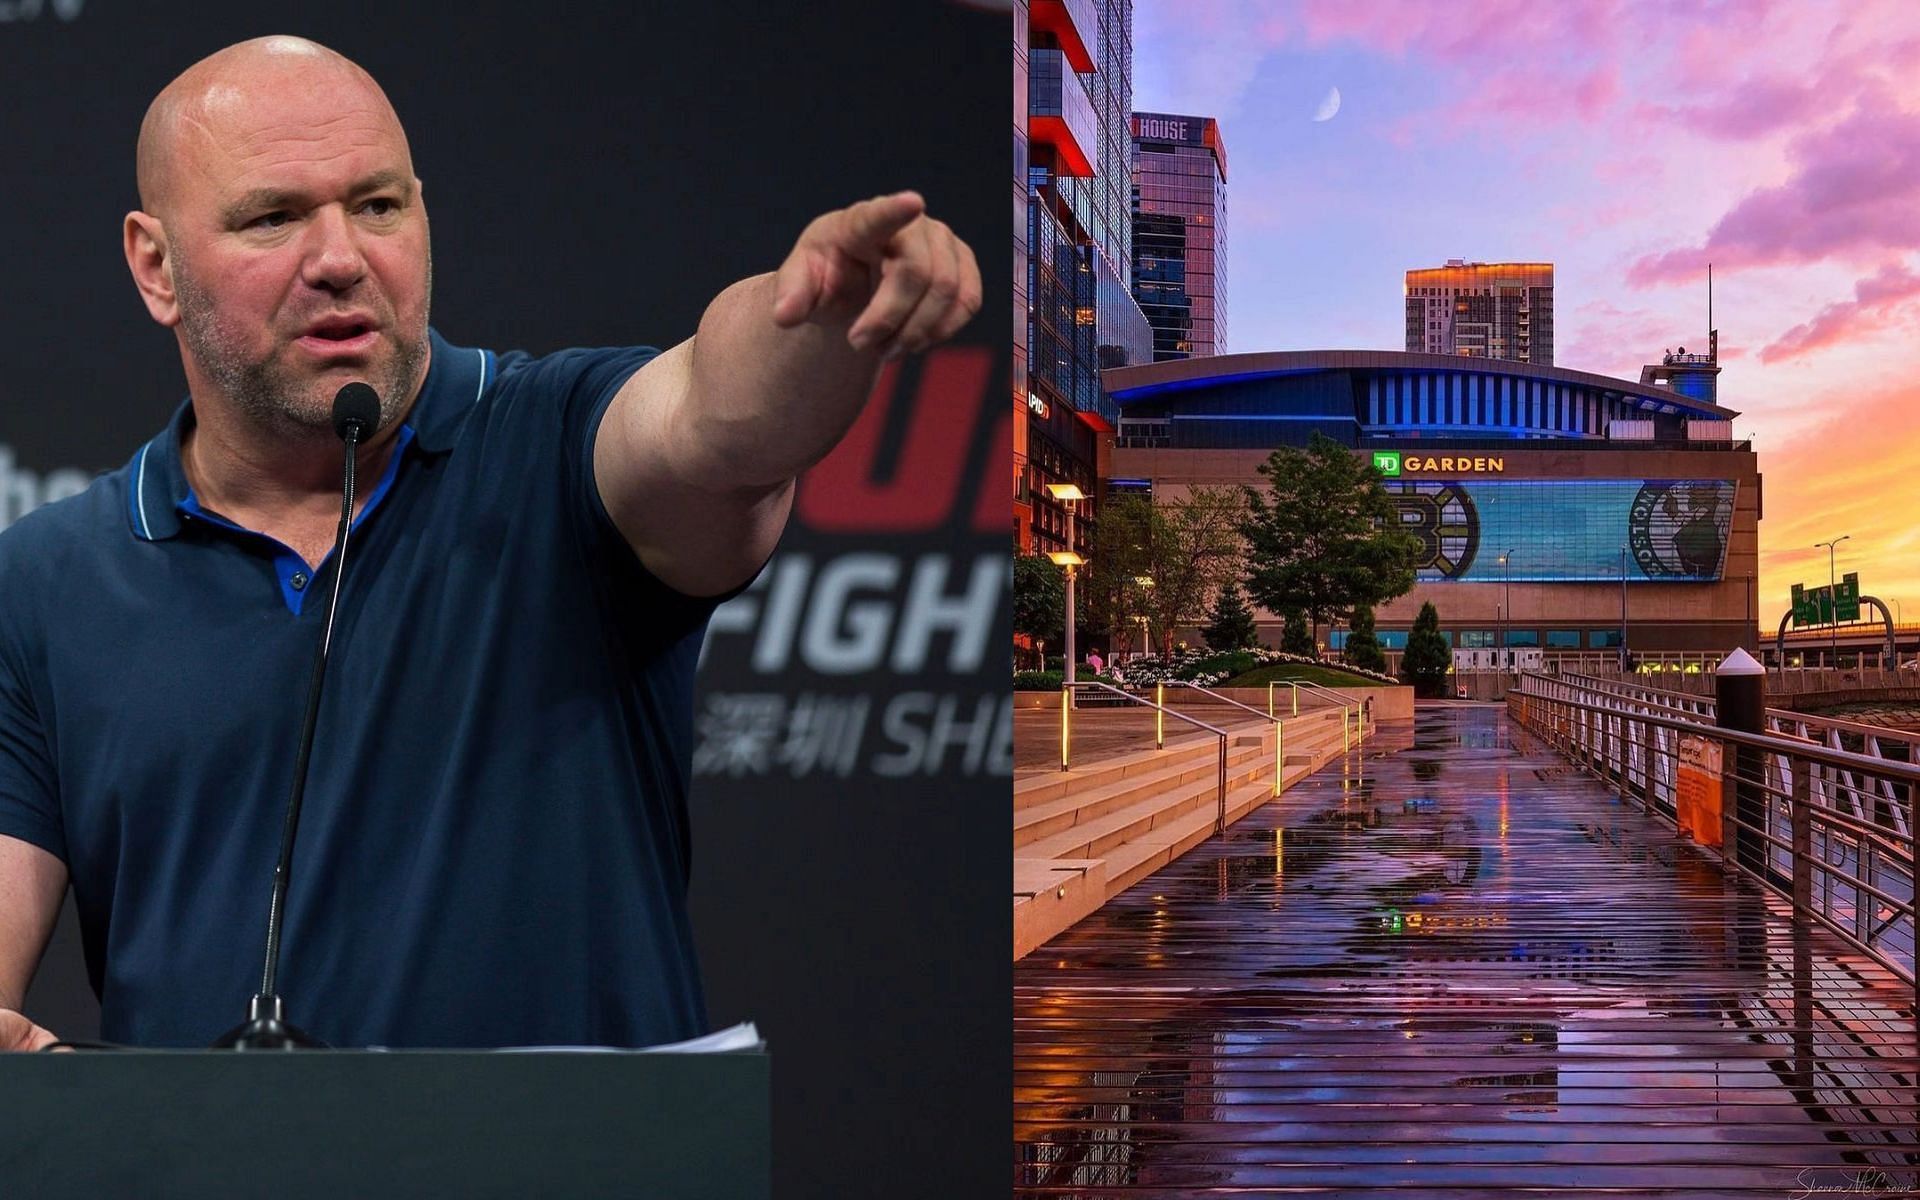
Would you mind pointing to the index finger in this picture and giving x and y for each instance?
(871, 224)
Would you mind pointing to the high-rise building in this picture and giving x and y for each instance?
(1482, 310)
(1180, 233)
(1074, 312)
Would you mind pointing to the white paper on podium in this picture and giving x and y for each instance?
(737, 1037)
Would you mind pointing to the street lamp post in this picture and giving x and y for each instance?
(1833, 630)
(1146, 642)
(1069, 495)
(1506, 649)
(1623, 609)
(1746, 599)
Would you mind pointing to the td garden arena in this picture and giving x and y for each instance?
(1562, 515)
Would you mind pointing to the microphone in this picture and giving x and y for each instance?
(356, 414)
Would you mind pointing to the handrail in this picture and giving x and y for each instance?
(1279, 737)
(1217, 696)
(1829, 731)
(1296, 685)
(1862, 728)
(1350, 708)
(1620, 685)
(1759, 741)
(1621, 681)
(1066, 707)
(1801, 796)
(1708, 704)
(1633, 692)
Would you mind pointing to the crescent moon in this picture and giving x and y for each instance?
(1329, 106)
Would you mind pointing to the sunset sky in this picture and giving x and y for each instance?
(1628, 143)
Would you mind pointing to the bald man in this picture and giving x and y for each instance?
(493, 849)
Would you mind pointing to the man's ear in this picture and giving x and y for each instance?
(148, 257)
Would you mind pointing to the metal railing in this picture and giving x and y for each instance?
(1353, 713)
(1829, 829)
(1835, 733)
(1691, 703)
(1066, 732)
(1279, 735)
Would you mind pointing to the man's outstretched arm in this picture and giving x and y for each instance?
(32, 885)
(697, 455)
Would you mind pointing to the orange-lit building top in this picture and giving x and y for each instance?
(1482, 310)
(1479, 274)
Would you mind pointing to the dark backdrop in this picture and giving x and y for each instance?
(593, 178)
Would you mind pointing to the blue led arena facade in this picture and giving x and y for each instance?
(1540, 494)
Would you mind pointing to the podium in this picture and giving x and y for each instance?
(332, 1123)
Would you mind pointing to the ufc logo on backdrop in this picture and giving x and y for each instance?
(919, 488)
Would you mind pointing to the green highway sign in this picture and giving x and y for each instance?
(1823, 606)
(1846, 597)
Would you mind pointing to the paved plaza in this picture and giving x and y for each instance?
(1456, 967)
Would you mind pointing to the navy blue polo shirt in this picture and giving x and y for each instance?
(493, 846)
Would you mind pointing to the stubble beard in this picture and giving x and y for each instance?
(271, 396)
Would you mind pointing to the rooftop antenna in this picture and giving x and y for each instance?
(1713, 335)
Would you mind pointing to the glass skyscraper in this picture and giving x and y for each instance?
(1074, 313)
(1179, 233)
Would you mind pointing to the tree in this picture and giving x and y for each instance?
(1325, 536)
(1294, 638)
(1363, 648)
(1110, 590)
(1039, 599)
(1425, 663)
(1162, 561)
(1231, 627)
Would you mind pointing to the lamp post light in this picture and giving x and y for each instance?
(1069, 495)
(1833, 630)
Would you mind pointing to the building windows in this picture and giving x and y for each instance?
(1476, 639)
(1563, 639)
(1603, 639)
(1523, 637)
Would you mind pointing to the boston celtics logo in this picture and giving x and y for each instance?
(1678, 529)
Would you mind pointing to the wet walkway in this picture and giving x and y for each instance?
(1458, 968)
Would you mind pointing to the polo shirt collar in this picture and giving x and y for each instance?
(456, 378)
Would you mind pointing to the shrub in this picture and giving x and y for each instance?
(1427, 660)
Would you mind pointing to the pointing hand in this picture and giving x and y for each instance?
(899, 280)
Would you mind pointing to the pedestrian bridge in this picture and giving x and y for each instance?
(1476, 958)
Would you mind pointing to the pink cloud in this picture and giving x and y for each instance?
(1854, 194)
(1874, 306)
(1483, 32)
(1752, 109)
(1516, 95)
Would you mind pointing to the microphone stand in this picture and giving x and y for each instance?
(266, 1026)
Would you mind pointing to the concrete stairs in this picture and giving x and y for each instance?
(1081, 837)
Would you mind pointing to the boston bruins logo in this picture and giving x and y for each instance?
(1443, 517)
(1678, 529)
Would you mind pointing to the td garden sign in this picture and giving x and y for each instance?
(1395, 464)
